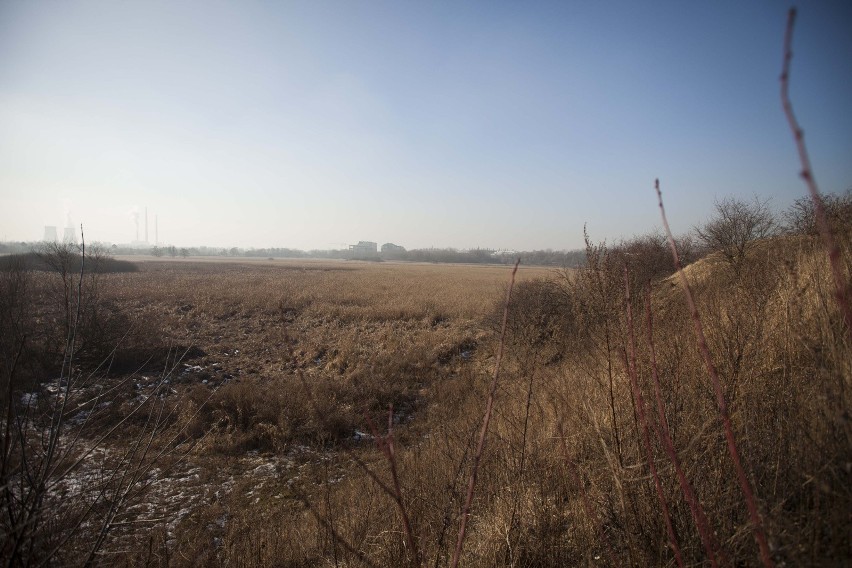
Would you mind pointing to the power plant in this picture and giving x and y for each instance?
(69, 236)
(145, 242)
(51, 234)
(68, 233)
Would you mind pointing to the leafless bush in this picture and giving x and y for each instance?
(541, 320)
(252, 415)
(64, 486)
(15, 303)
(99, 326)
(801, 216)
(737, 226)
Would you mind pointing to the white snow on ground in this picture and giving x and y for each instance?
(165, 496)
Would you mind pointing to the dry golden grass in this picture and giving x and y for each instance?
(297, 354)
(341, 289)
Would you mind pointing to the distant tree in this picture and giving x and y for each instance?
(800, 217)
(736, 227)
(157, 251)
(63, 259)
(184, 252)
(172, 251)
(647, 256)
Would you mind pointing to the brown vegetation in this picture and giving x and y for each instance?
(266, 454)
(615, 415)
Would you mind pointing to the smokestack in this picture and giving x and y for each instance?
(146, 224)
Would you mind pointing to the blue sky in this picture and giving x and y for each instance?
(474, 124)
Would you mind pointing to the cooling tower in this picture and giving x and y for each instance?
(69, 236)
(50, 234)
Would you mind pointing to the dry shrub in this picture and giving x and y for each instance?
(800, 217)
(272, 415)
(564, 479)
(779, 345)
(541, 318)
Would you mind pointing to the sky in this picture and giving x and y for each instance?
(314, 125)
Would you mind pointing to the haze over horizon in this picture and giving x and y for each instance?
(313, 125)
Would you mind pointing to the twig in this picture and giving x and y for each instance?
(841, 287)
(56, 420)
(385, 444)
(489, 408)
(573, 470)
(521, 471)
(7, 446)
(595, 255)
(339, 538)
(453, 491)
(394, 494)
(330, 516)
(646, 435)
(742, 478)
(710, 546)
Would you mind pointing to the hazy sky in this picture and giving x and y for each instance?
(465, 124)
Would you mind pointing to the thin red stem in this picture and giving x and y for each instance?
(722, 403)
(483, 434)
(646, 435)
(385, 444)
(841, 287)
(707, 540)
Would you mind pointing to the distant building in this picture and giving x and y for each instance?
(390, 248)
(364, 250)
(50, 235)
(392, 251)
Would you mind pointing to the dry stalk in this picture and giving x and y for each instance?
(521, 471)
(742, 478)
(710, 546)
(322, 520)
(639, 404)
(489, 408)
(337, 536)
(385, 444)
(573, 470)
(842, 288)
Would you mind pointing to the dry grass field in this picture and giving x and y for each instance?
(237, 413)
(272, 413)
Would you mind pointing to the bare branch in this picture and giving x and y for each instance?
(707, 540)
(842, 290)
(489, 408)
(639, 403)
(722, 403)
